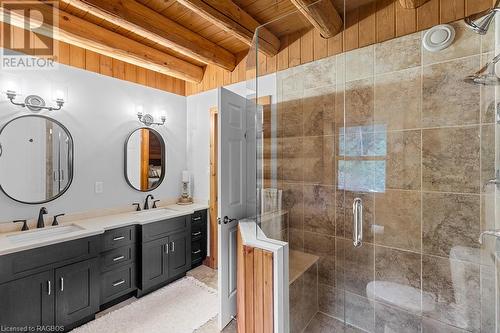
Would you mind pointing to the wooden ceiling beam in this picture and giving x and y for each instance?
(135, 17)
(76, 31)
(322, 15)
(412, 4)
(234, 20)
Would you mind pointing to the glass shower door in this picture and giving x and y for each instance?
(416, 151)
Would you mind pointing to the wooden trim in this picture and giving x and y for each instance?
(139, 19)
(254, 289)
(144, 159)
(322, 15)
(234, 20)
(411, 4)
(214, 197)
(81, 33)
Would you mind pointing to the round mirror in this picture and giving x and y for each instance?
(144, 159)
(36, 159)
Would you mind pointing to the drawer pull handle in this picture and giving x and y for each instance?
(62, 283)
(119, 238)
(197, 218)
(196, 233)
(196, 252)
(118, 258)
(49, 288)
(173, 246)
(166, 248)
(117, 283)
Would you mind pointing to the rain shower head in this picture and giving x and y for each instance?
(486, 76)
(481, 22)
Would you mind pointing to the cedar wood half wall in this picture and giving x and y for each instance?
(169, 54)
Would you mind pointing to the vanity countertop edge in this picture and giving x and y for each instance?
(95, 226)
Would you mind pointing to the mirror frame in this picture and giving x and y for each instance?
(71, 156)
(163, 159)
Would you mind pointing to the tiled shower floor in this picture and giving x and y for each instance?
(322, 323)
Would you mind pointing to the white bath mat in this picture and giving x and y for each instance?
(180, 307)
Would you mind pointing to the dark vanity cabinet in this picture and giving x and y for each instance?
(165, 252)
(76, 291)
(28, 301)
(198, 237)
(51, 285)
(118, 263)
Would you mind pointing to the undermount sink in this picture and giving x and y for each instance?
(40, 234)
(157, 212)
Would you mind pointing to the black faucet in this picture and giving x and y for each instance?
(146, 203)
(42, 212)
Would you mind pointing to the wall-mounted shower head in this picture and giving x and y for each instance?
(486, 76)
(481, 22)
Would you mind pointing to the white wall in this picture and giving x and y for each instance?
(100, 114)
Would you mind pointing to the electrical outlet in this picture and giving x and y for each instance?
(99, 187)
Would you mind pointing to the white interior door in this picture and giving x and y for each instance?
(232, 171)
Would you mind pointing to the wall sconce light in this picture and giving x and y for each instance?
(34, 102)
(149, 120)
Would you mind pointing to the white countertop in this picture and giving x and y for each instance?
(95, 226)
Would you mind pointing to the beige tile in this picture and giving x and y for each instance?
(488, 103)
(296, 239)
(487, 157)
(320, 73)
(401, 267)
(292, 116)
(359, 312)
(319, 165)
(466, 43)
(398, 99)
(319, 209)
(390, 319)
(292, 159)
(450, 160)
(453, 292)
(447, 99)
(399, 215)
(356, 265)
(322, 246)
(319, 111)
(331, 301)
(359, 103)
(488, 40)
(359, 63)
(293, 202)
(399, 53)
(433, 326)
(403, 164)
(451, 225)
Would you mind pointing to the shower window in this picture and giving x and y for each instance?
(362, 158)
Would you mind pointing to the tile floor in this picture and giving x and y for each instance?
(202, 273)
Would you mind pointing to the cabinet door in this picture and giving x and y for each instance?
(154, 263)
(178, 256)
(28, 301)
(77, 291)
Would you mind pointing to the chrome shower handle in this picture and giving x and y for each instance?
(357, 212)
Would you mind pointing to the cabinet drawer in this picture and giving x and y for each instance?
(198, 231)
(117, 283)
(115, 238)
(197, 251)
(118, 257)
(199, 216)
(163, 228)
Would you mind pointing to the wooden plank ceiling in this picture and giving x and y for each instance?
(187, 39)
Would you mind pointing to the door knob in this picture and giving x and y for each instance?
(226, 220)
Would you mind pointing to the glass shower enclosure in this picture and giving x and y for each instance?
(377, 165)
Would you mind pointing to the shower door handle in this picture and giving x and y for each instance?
(357, 212)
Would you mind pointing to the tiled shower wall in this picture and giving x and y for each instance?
(398, 127)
